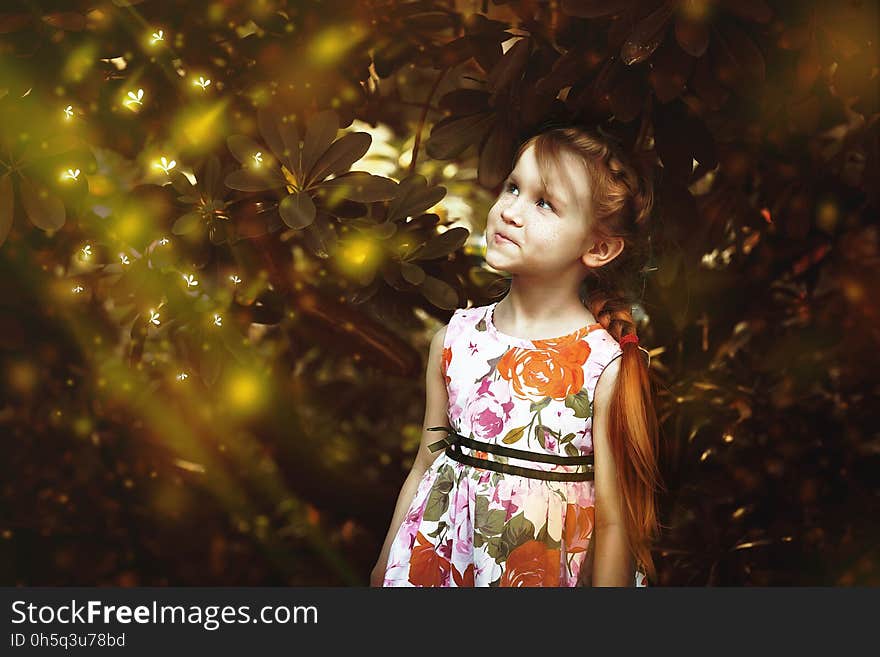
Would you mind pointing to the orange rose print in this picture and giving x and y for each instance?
(554, 368)
(426, 567)
(578, 527)
(531, 564)
(464, 580)
(444, 363)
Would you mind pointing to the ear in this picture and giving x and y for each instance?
(602, 251)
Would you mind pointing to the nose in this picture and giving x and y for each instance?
(510, 212)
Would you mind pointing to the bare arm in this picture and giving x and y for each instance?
(436, 410)
(613, 565)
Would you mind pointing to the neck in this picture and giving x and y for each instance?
(528, 308)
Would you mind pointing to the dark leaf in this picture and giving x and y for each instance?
(496, 156)
(7, 206)
(412, 273)
(337, 159)
(414, 197)
(671, 69)
(443, 244)
(186, 223)
(180, 183)
(511, 66)
(210, 176)
(739, 62)
(45, 210)
(450, 138)
(297, 210)
(627, 94)
(465, 101)
(647, 35)
(243, 148)
(692, 35)
(290, 138)
(361, 186)
(268, 121)
(751, 10)
(438, 292)
(320, 237)
(320, 134)
(594, 8)
(255, 180)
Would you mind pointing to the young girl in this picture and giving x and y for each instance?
(549, 470)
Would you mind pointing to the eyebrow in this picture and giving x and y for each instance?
(559, 201)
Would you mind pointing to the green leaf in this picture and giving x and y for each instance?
(187, 223)
(252, 180)
(534, 407)
(579, 403)
(43, 209)
(514, 435)
(297, 210)
(571, 450)
(518, 530)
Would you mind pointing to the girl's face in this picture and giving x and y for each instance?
(548, 229)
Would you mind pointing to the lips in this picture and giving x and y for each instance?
(500, 234)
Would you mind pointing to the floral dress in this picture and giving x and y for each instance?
(473, 526)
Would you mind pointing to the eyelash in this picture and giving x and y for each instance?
(509, 185)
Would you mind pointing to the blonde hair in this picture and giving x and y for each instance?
(621, 199)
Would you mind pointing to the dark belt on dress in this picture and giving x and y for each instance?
(453, 441)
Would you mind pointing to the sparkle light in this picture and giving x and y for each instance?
(133, 98)
(158, 35)
(124, 259)
(87, 251)
(163, 241)
(68, 112)
(202, 82)
(154, 317)
(190, 280)
(165, 164)
(258, 158)
(77, 289)
(218, 320)
(70, 174)
(235, 279)
(183, 376)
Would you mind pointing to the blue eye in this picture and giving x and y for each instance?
(510, 187)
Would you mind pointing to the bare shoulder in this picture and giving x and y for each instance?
(605, 385)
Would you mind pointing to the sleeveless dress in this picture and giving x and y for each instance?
(472, 526)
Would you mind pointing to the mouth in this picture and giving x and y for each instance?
(501, 238)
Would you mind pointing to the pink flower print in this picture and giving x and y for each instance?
(490, 409)
(509, 496)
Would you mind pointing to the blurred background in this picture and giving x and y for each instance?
(229, 229)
